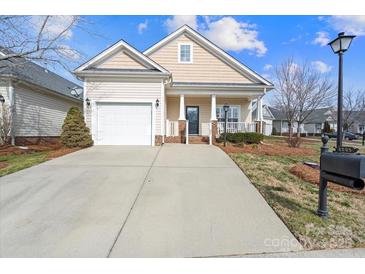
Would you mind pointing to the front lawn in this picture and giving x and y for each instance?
(295, 201)
(13, 159)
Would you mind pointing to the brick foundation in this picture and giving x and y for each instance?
(37, 140)
(214, 132)
(158, 140)
(182, 128)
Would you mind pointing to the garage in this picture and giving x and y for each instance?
(124, 124)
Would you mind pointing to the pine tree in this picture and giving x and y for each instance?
(75, 133)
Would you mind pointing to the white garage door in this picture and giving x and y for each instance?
(124, 124)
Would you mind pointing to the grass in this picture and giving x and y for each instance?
(295, 201)
(18, 162)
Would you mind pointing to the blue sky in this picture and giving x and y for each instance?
(260, 42)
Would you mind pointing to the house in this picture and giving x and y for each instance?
(175, 88)
(312, 125)
(37, 99)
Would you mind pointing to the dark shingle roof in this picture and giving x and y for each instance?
(277, 113)
(33, 73)
(319, 116)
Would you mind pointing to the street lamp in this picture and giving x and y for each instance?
(2, 99)
(225, 108)
(339, 46)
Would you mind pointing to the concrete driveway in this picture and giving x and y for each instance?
(110, 201)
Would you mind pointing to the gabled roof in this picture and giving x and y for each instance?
(197, 37)
(22, 69)
(121, 44)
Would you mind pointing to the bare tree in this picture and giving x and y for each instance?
(353, 105)
(313, 90)
(285, 98)
(5, 124)
(300, 89)
(43, 39)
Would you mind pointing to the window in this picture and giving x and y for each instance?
(185, 53)
(361, 128)
(233, 114)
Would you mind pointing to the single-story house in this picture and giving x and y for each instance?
(313, 125)
(37, 99)
(173, 90)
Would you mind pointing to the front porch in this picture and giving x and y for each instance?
(199, 118)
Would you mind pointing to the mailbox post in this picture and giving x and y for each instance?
(344, 167)
(322, 201)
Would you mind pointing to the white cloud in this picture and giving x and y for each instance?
(354, 24)
(234, 35)
(268, 67)
(321, 66)
(54, 25)
(179, 20)
(142, 26)
(322, 38)
(226, 32)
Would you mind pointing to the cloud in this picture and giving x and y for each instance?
(55, 25)
(268, 67)
(322, 38)
(142, 26)
(354, 24)
(321, 66)
(226, 32)
(177, 21)
(234, 35)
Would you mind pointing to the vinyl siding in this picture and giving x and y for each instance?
(38, 113)
(121, 60)
(204, 103)
(124, 91)
(205, 68)
(4, 90)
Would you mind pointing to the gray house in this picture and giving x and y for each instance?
(38, 100)
(313, 125)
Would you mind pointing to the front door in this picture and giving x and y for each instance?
(192, 115)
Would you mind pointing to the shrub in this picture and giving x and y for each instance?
(75, 133)
(243, 137)
(294, 141)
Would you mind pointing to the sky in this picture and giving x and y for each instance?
(260, 42)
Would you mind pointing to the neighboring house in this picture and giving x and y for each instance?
(267, 118)
(37, 98)
(356, 121)
(313, 125)
(177, 86)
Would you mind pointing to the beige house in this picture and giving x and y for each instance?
(172, 92)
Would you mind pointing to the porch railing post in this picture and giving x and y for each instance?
(210, 133)
(187, 132)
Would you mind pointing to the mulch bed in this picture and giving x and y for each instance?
(267, 149)
(311, 175)
(61, 151)
(6, 150)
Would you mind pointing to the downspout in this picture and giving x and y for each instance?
(11, 95)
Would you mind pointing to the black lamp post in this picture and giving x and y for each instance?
(339, 46)
(2, 99)
(225, 108)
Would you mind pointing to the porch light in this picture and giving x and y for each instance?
(87, 100)
(225, 108)
(157, 103)
(2, 99)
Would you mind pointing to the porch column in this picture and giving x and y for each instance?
(213, 120)
(182, 120)
(259, 113)
(11, 96)
(182, 108)
(213, 111)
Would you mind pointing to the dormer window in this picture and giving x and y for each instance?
(186, 53)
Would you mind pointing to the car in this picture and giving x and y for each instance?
(347, 135)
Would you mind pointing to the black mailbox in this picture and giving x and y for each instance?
(344, 169)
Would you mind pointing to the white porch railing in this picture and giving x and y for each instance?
(172, 128)
(234, 127)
